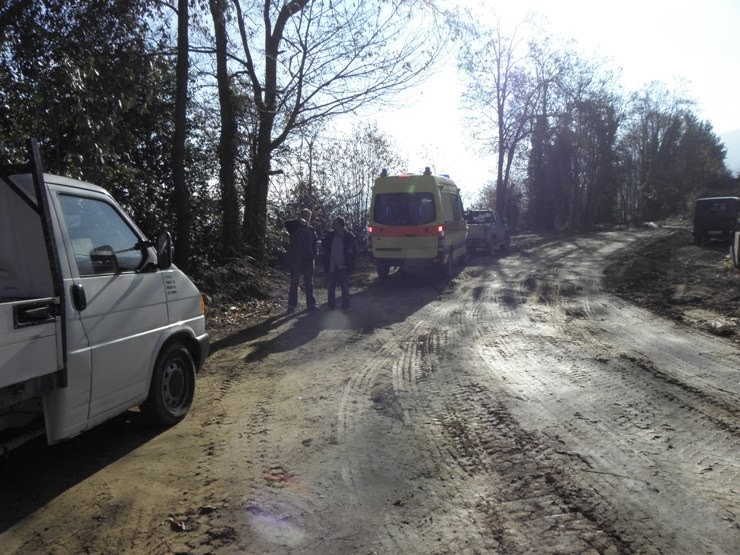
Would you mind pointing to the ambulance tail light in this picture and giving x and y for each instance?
(441, 238)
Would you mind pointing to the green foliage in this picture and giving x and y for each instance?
(89, 81)
(667, 157)
(94, 83)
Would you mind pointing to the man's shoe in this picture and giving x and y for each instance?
(291, 309)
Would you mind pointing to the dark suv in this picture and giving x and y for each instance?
(716, 218)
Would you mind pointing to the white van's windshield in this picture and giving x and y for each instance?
(404, 208)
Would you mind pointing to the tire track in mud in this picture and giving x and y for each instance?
(425, 517)
(277, 423)
(283, 495)
(397, 360)
(524, 498)
(536, 361)
(481, 452)
(475, 451)
(624, 424)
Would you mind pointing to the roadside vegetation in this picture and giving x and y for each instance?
(217, 120)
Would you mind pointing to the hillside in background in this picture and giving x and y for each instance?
(731, 139)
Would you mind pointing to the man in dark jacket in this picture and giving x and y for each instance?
(301, 255)
(339, 251)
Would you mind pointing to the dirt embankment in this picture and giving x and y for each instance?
(694, 285)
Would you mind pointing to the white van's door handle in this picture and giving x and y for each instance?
(33, 313)
(78, 297)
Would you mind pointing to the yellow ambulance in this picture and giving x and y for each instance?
(415, 221)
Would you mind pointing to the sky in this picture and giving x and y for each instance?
(694, 44)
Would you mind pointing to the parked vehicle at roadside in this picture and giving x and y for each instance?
(716, 218)
(94, 318)
(487, 231)
(417, 220)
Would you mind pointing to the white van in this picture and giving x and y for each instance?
(417, 220)
(94, 319)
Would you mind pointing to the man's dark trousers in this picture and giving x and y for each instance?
(332, 278)
(297, 269)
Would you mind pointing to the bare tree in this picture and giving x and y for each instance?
(571, 162)
(501, 93)
(667, 155)
(652, 116)
(227, 148)
(312, 60)
(332, 173)
(354, 162)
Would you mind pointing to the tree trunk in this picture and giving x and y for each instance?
(501, 183)
(182, 195)
(255, 206)
(265, 96)
(231, 243)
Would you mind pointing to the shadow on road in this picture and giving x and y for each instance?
(383, 303)
(35, 473)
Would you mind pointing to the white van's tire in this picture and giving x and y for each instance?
(173, 386)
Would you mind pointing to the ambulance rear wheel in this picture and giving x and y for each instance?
(465, 260)
(172, 388)
(449, 267)
(383, 268)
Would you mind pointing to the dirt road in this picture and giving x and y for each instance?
(516, 409)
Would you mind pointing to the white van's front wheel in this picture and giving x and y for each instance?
(173, 386)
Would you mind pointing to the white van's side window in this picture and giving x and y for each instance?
(103, 242)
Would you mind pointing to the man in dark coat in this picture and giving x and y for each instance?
(302, 252)
(339, 251)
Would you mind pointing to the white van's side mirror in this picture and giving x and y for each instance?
(165, 250)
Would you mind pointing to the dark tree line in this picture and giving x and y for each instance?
(573, 152)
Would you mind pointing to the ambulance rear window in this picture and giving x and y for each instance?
(404, 209)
